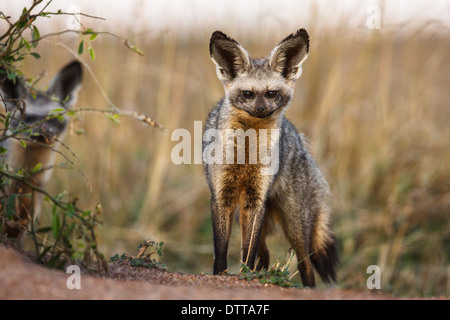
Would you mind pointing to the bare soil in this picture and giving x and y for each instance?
(21, 278)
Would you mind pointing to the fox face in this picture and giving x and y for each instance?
(31, 111)
(43, 132)
(263, 87)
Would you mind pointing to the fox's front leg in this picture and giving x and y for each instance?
(252, 213)
(222, 219)
(223, 207)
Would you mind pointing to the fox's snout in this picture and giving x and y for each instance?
(41, 131)
(259, 108)
(49, 131)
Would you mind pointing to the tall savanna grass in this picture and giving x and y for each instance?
(374, 106)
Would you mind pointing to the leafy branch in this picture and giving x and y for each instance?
(72, 228)
(15, 46)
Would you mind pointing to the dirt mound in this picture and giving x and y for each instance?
(22, 279)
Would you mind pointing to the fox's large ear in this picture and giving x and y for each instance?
(11, 90)
(287, 57)
(66, 83)
(228, 55)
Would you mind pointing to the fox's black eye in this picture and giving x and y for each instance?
(271, 94)
(248, 94)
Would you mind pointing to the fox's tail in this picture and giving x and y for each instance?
(324, 256)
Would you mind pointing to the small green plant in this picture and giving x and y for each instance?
(73, 231)
(275, 275)
(141, 259)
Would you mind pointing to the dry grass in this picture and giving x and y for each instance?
(375, 107)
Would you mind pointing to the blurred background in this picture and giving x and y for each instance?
(373, 100)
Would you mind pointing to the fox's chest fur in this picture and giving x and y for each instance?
(241, 184)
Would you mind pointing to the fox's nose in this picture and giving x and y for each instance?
(260, 109)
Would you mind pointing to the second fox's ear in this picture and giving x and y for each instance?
(228, 55)
(66, 83)
(287, 57)
(11, 89)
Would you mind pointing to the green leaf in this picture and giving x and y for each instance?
(11, 206)
(36, 168)
(114, 258)
(114, 118)
(26, 43)
(54, 98)
(35, 36)
(81, 47)
(23, 144)
(3, 150)
(7, 119)
(70, 210)
(56, 225)
(86, 213)
(35, 54)
(12, 76)
(93, 37)
(92, 54)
